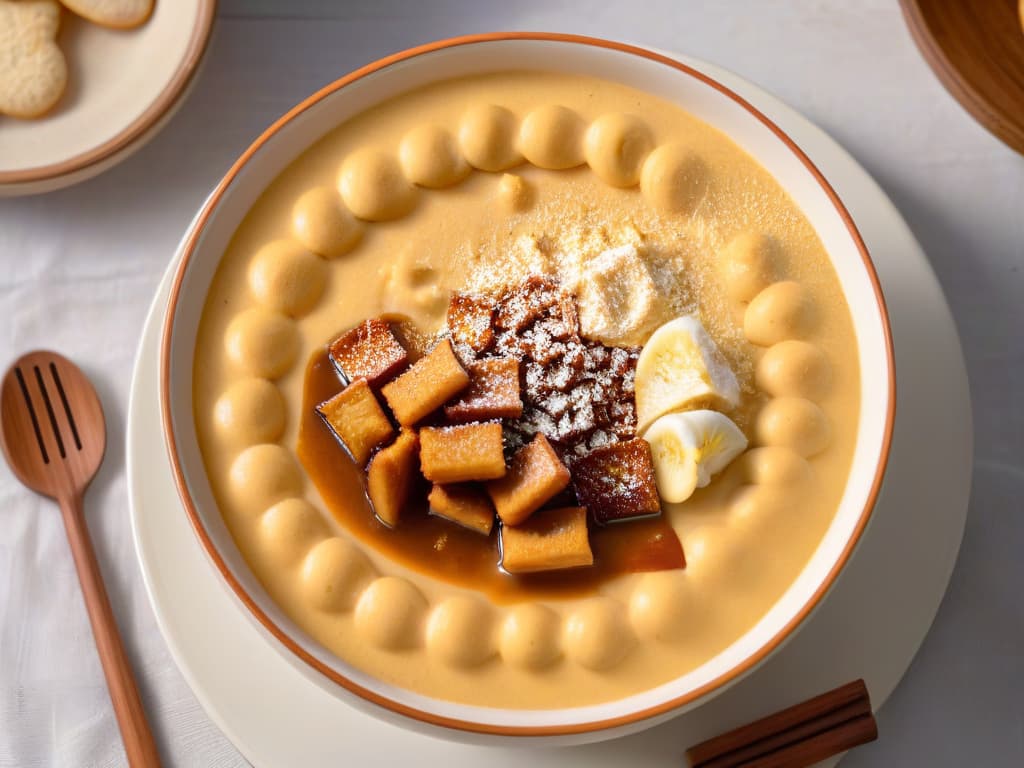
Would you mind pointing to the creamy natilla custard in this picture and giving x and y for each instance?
(647, 216)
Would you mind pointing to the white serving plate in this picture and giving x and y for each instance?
(291, 135)
(124, 85)
(871, 626)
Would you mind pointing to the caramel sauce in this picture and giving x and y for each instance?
(446, 551)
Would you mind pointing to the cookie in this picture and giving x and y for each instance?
(33, 71)
(119, 14)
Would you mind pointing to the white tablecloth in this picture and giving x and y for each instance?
(78, 268)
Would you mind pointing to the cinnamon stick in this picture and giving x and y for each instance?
(794, 737)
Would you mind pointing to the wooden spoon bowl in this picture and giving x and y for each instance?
(46, 406)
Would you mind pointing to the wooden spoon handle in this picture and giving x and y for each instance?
(131, 717)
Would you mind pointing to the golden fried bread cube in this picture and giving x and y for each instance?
(417, 342)
(470, 320)
(535, 475)
(493, 392)
(526, 303)
(550, 540)
(432, 380)
(357, 420)
(390, 477)
(462, 452)
(369, 351)
(616, 482)
(465, 505)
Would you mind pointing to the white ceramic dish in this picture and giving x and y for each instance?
(870, 626)
(124, 85)
(663, 77)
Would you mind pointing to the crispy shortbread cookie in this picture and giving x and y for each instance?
(33, 71)
(119, 14)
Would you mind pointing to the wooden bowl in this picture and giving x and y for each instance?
(977, 50)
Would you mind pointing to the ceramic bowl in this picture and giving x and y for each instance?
(123, 87)
(641, 69)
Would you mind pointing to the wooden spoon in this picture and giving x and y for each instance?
(53, 435)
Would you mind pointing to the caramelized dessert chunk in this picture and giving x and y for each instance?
(534, 477)
(427, 385)
(616, 482)
(464, 505)
(369, 351)
(548, 541)
(527, 303)
(463, 452)
(416, 341)
(578, 393)
(390, 476)
(357, 420)
(470, 320)
(493, 392)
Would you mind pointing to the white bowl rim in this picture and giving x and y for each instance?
(315, 665)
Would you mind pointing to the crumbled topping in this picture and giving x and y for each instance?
(577, 392)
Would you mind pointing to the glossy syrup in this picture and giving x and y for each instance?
(443, 550)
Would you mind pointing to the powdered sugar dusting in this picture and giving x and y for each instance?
(577, 392)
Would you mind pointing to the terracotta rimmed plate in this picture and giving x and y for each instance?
(977, 50)
(123, 87)
(651, 72)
